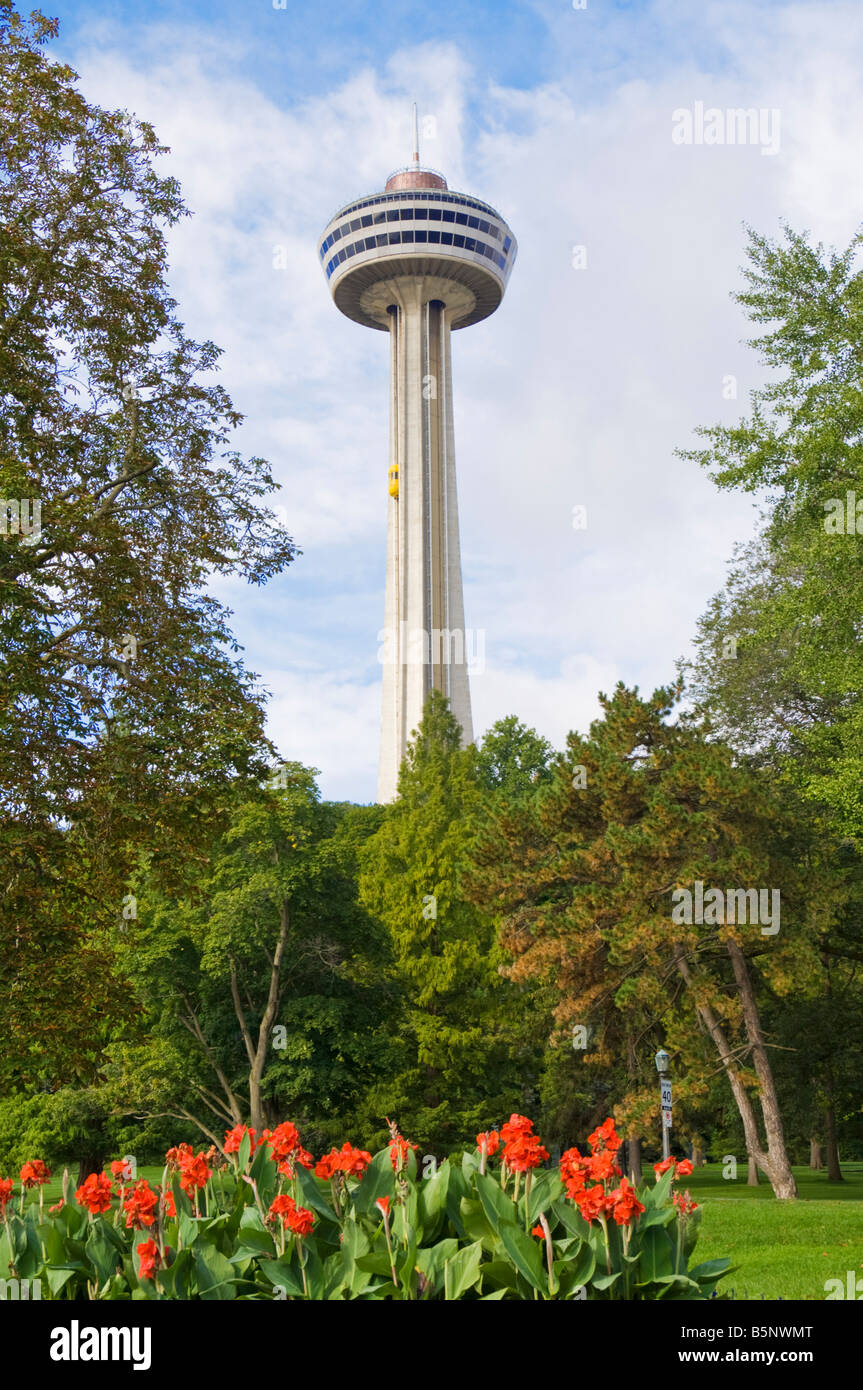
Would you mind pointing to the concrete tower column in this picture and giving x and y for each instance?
(425, 641)
(416, 261)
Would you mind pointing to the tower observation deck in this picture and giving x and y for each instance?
(417, 261)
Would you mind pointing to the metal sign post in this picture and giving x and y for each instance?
(665, 1093)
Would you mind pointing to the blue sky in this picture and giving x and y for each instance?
(582, 385)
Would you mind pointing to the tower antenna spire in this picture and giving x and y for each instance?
(416, 134)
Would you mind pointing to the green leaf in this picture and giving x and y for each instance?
(576, 1270)
(101, 1252)
(284, 1274)
(499, 1274)
(476, 1223)
(377, 1181)
(58, 1277)
(525, 1254)
(657, 1256)
(188, 1229)
(657, 1216)
(431, 1261)
(545, 1188)
(498, 1207)
(311, 1195)
(461, 1271)
(215, 1273)
(432, 1199)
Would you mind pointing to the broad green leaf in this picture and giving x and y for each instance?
(461, 1271)
(498, 1207)
(657, 1259)
(215, 1273)
(525, 1254)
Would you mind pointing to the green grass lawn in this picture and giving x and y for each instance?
(781, 1249)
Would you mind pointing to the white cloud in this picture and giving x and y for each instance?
(577, 391)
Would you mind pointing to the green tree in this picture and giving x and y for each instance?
(780, 660)
(455, 1060)
(513, 759)
(589, 894)
(125, 712)
(259, 985)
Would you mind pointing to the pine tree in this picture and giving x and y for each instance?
(454, 1071)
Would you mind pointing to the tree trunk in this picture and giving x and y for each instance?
(815, 1157)
(90, 1160)
(698, 1158)
(778, 1167)
(752, 1178)
(634, 1161)
(257, 1052)
(777, 1177)
(633, 1148)
(834, 1172)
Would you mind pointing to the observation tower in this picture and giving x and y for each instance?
(417, 261)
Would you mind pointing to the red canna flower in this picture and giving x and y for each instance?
(383, 1203)
(168, 1202)
(348, 1160)
(34, 1173)
(604, 1137)
(234, 1138)
(59, 1207)
(194, 1172)
(593, 1203)
(140, 1205)
(6, 1188)
(120, 1169)
(491, 1139)
(328, 1166)
(174, 1157)
(515, 1125)
(538, 1232)
(95, 1193)
(601, 1166)
(399, 1152)
(684, 1203)
(283, 1140)
(682, 1167)
(523, 1152)
(149, 1257)
(299, 1219)
(573, 1171)
(625, 1203)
